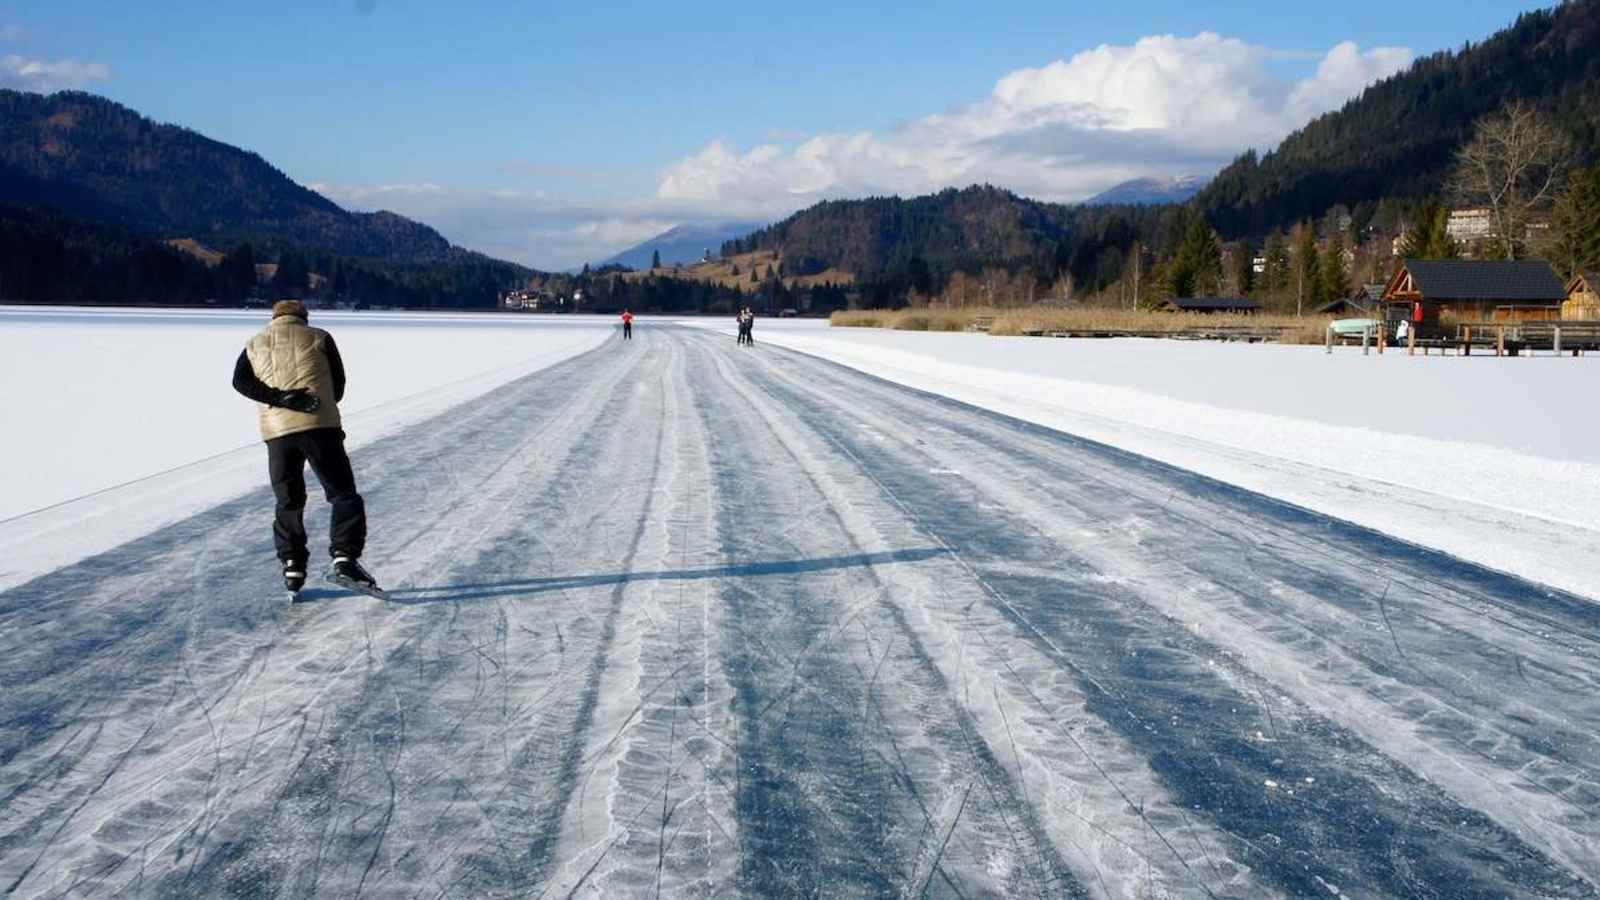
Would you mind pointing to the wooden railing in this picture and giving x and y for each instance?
(1556, 335)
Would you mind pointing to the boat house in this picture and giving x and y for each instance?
(1477, 290)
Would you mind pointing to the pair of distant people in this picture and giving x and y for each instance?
(746, 320)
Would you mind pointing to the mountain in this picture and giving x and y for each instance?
(95, 160)
(100, 204)
(1146, 191)
(950, 228)
(890, 244)
(1398, 139)
(681, 245)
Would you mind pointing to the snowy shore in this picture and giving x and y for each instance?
(1490, 460)
(128, 416)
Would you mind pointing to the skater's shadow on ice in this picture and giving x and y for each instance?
(452, 593)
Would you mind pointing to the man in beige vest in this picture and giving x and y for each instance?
(294, 373)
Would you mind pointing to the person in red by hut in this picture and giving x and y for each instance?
(1416, 318)
(627, 325)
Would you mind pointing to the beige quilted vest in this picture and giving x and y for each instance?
(290, 354)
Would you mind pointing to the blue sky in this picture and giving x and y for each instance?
(558, 133)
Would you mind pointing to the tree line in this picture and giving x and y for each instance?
(48, 258)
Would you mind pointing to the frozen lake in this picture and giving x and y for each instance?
(106, 396)
(679, 618)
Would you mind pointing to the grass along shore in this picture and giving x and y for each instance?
(1295, 329)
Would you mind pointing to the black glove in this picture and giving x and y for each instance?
(299, 400)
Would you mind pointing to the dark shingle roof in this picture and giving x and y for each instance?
(1366, 296)
(1486, 279)
(1216, 304)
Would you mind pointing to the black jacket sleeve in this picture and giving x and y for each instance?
(246, 382)
(336, 367)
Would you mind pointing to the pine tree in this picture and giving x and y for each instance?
(1276, 275)
(1244, 268)
(1306, 268)
(1430, 237)
(236, 274)
(1575, 225)
(655, 260)
(1197, 267)
(1335, 279)
(291, 278)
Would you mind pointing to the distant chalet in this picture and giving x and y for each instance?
(1211, 305)
(1583, 297)
(1478, 290)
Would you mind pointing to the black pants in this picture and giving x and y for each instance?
(627, 331)
(286, 464)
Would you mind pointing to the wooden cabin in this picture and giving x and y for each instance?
(1211, 305)
(1363, 302)
(1476, 290)
(1583, 298)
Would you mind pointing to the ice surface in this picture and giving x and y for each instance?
(94, 399)
(1488, 459)
(675, 618)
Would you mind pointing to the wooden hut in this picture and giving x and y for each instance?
(1476, 290)
(1583, 298)
(1363, 302)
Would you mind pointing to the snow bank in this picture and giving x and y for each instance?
(1492, 460)
(130, 414)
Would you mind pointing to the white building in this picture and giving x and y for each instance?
(1469, 224)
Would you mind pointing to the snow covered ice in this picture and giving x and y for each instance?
(683, 618)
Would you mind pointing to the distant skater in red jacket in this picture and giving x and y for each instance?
(627, 325)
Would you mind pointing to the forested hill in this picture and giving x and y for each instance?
(953, 229)
(96, 160)
(1398, 138)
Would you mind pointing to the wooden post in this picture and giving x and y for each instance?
(1466, 341)
(1330, 340)
(1500, 341)
(1557, 330)
(1411, 339)
(1366, 340)
(1382, 337)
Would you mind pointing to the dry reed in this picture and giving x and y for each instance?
(1293, 329)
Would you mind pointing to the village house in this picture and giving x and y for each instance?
(1363, 301)
(1468, 225)
(1583, 298)
(1475, 290)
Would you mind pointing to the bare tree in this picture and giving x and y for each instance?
(1513, 166)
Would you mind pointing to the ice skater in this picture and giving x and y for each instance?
(749, 327)
(627, 325)
(294, 372)
(739, 320)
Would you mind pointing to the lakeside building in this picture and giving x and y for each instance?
(1477, 290)
(1583, 298)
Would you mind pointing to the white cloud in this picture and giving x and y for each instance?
(45, 76)
(1062, 131)
(1343, 74)
(1165, 105)
(373, 196)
